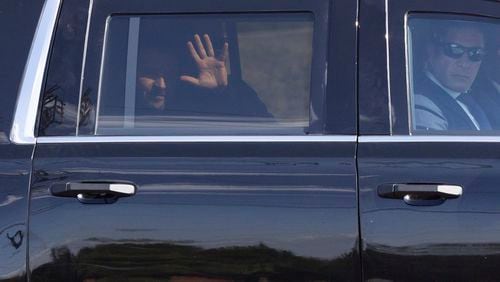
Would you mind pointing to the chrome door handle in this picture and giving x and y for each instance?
(94, 192)
(420, 194)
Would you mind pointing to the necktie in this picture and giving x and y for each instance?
(475, 110)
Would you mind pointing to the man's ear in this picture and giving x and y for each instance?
(429, 48)
(429, 56)
(430, 51)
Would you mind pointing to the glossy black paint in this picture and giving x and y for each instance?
(15, 170)
(455, 241)
(18, 19)
(281, 211)
(230, 211)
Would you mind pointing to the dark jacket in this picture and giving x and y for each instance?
(236, 100)
(443, 108)
(488, 98)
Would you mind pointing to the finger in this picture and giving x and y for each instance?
(225, 52)
(190, 79)
(193, 52)
(210, 48)
(221, 75)
(201, 49)
(222, 78)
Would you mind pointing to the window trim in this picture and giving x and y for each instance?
(25, 115)
(388, 66)
(270, 139)
(200, 139)
(428, 139)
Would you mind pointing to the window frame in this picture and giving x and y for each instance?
(101, 10)
(397, 59)
(437, 17)
(340, 18)
(26, 112)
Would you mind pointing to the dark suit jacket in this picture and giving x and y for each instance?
(488, 98)
(236, 100)
(443, 108)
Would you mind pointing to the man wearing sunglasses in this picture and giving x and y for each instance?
(443, 98)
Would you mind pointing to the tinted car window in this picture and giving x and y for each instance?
(454, 74)
(205, 74)
(59, 108)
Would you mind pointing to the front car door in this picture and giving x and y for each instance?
(133, 180)
(429, 201)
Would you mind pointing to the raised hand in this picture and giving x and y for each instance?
(212, 72)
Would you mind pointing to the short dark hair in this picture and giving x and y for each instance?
(439, 31)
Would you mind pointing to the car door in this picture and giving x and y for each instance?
(125, 187)
(429, 203)
(18, 21)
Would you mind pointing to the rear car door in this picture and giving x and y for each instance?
(252, 179)
(429, 201)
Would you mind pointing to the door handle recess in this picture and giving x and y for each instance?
(420, 194)
(94, 192)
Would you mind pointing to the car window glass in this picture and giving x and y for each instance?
(58, 115)
(205, 74)
(454, 74)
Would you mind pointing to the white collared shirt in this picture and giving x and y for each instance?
(454, 95)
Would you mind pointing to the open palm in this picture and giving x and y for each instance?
(212, 72)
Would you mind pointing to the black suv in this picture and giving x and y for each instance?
(250, 140)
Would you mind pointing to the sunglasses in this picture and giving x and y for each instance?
(456, 51)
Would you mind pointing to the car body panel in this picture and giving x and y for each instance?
(458, 239)
(227, 211)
